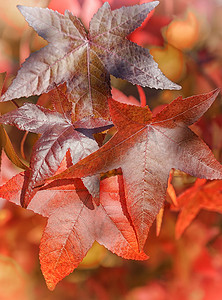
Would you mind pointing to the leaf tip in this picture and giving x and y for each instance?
(155, 3)
(106, 5)
(50, 284)
(150, 5)
(20, 8)
(25, 10)
(177, 86)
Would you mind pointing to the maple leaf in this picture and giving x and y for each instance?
(203, 195)
(84, 61)
(58, 135)
(74, 223)
(147, 148)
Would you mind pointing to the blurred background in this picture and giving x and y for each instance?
(185, 39)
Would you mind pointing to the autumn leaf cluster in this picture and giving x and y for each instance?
(100, 168)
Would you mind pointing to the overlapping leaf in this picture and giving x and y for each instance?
(75, 222)
(147, 148)
(85, 61)
(203, 195)
(58, 135)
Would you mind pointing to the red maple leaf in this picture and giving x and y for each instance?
(75, 222)
(203, 195)
(147, 148)
(85, 61)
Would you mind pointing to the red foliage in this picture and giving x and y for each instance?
(75, 222)
(148, 148)
(94, 180)
(203, 195)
